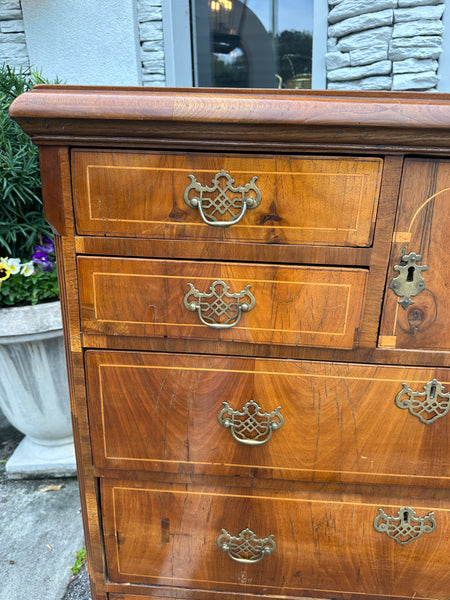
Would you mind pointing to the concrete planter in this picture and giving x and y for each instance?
(33, 390)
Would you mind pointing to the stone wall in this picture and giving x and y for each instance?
(152, 42)
(13, 47)
(384, 44)
(372, 44)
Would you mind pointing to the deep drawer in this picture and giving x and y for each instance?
(311, 200)
(297, 306)
(174, 536)
(336, 422)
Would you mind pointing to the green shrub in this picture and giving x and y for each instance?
(28, 272)
(22, 222)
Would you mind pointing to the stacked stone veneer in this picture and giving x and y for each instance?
(13, 47)
(384, 44)
(152, 42)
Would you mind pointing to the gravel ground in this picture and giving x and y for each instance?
(78, 588)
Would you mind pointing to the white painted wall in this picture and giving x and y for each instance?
(84, 42)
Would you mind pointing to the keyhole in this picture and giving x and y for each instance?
(410, 276)
(432, 392)
(405, 516)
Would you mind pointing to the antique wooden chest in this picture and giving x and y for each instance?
(255, 291)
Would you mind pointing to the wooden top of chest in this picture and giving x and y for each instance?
(107, 116)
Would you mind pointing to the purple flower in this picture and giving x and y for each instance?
(41, 258)
(47, 246)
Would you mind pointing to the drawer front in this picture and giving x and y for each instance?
(174, 536)
(418, 317)
(284, 199)
(289, 305)
(335, 422)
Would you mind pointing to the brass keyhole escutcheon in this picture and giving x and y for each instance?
(406, 526)
(429, 405)
(409, 282)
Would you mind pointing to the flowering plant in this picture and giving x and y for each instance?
(31, 281)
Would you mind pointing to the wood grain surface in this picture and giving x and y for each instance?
(143, 117)
(293, 305)
(322, 200)
(168, 535)
(349, 181)
(178, 593)
(423, 225)
(341, 423)
(55, 169)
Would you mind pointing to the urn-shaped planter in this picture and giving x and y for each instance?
(34, 392)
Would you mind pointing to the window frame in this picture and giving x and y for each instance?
(180, 65)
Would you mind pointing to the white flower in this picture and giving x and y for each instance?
(14, 265)
(27, 269)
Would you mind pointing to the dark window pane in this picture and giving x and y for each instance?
(252, 43)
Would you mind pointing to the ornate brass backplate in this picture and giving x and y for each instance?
(406, 527)
(250, 426)
(409, 282)
(219, 308)
(246, 547)
(222, 204)
(429, 405)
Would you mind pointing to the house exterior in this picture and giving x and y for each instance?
(370, 45)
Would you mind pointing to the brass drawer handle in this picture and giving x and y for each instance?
(409, 282)
(246, 547)
(406, 527)
(427, 405)
(250, 426)
(219, 308)
(213, 208)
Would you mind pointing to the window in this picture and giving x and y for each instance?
(252, 43)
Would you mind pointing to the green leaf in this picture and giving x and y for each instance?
(22, 219)
(79, 561)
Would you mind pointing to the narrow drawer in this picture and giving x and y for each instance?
(261, 304)
(178, 536)
(305, 420)
(282, 199)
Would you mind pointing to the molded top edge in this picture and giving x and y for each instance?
(209, 105)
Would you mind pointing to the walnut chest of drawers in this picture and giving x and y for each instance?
(256, 294)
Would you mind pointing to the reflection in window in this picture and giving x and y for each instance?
(252, 43)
